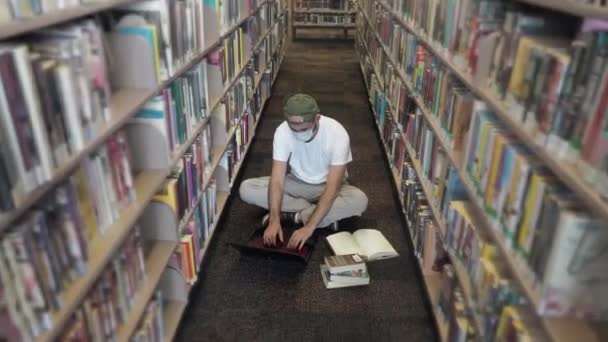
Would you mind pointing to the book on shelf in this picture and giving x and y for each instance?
(333, 281)
(152, 323)
(370, 244)
(51, 105)
(519, 323)
(546, 70)
(520, 197)
(56, 94)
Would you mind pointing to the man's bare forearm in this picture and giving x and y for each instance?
(275, 197)
(326, 201)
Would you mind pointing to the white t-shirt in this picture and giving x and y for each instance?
(310, 162)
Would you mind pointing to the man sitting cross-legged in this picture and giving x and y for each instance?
(315, 192)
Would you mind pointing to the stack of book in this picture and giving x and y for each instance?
(344, 271)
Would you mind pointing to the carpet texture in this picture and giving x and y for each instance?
(244, 298)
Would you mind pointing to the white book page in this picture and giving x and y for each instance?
(373, 244)
(343, 244)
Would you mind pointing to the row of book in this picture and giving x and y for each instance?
(494, 297)
(196, 233)
(108, 304)
(174, 114)
(28, 282)
(196, 96)
(525, 202)
(54, 97)
(547, 68)
(48, 248)
(455, 308)
(541, 220)
(179, 30)
(228, 12)
(11, 10)
(244, 129)
(55, 86)
(151, 327)
(187, 178)
(345, 5)
(319, 18)
(485, 269)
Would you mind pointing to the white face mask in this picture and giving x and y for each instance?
(304, 136)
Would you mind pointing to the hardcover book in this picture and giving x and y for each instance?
(255, 245)
(368, 243)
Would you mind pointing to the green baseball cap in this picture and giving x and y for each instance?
(301, 105)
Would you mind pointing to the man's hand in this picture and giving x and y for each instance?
(271, 233)
(300, 236)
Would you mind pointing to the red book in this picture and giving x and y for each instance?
(255, 245)
(595, 142)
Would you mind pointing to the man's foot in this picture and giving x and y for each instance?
(286, 218)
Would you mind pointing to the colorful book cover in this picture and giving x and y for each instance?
(147, 32)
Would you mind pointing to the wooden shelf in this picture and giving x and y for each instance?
(103, 248)
(571, 7)
(555, 327)
(218, 153)
(431, 284)
(173, 309)
(21, 26)
(336, 25)
(237, 169)
(124, 104)
(461, 275)
(564, 170)
(323, 11)
(156, 261)
(172, 314)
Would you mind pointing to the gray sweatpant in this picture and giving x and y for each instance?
(301, 196)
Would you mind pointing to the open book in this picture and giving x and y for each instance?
(368, 243)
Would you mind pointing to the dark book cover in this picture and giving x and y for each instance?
(18, 110)
(255, 245)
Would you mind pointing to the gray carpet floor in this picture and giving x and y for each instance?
(245, 298)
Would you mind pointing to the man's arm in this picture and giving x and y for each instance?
(275, 190)
(275, 197)
(326, 201)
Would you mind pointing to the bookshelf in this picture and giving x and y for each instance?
(173, 312)
(157, 258)
(159, 230)
(104, 248)
(578, 8)
(430, 280)
(564, 170)
(124, 104)
(20, 26)
(557, 329)
(323, 15)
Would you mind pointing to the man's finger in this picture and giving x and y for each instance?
(281, 235)
(291, 242)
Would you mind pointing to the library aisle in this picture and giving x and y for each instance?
(256, 299)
